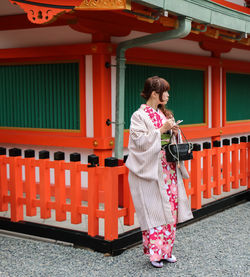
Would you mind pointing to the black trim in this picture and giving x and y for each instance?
(44, 5)
(124, 241)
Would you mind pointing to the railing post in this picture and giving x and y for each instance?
(60, 188)
(75, 188)
(207, 169)
(111, 199)
(44, 188)
(235, 163)
(3, 180)
(127, 201)
(243, 158)
(196, 177)
(93, 194)
(16, 187)
(216, 160)
(30, 181)
(226, 165)
(93, 202)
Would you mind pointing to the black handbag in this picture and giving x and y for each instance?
(176, 152)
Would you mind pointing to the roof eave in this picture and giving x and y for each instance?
(204, 11)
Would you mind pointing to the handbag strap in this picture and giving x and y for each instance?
(189, 143)
(177, 149)
(183, 135)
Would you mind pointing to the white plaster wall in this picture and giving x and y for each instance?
(6, 8)
(209, 96)
(174, 45)
(237, 54)
(43, 36)
(180, 46)
(89, 96)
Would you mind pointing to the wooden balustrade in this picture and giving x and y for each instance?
(215, 168)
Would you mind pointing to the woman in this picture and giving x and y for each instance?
(156, 185)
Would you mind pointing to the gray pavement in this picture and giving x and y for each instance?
(215, 246)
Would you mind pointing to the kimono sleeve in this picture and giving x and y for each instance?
(142, 137)
(144, 148)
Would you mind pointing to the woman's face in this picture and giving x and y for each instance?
(165, 97)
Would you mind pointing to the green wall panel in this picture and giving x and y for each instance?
(186, 91)
(40, 96)
(238, 96)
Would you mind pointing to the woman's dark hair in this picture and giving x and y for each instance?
(159, 85)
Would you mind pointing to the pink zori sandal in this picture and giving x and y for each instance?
(157, 264)
(172, 259)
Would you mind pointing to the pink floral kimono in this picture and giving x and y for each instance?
(158, 241)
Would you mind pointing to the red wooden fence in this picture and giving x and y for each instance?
(212, 169)
(223, 167)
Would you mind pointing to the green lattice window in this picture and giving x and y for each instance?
(186, 93)
(40, 96)
(238, 96)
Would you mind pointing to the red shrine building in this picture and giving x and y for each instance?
(71, 73)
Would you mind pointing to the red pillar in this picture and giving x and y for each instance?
(216, 101)
(216, 50)
(102, 94)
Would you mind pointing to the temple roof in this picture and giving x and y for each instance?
(212, 18)
(217, 13)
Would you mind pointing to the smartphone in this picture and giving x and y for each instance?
(178, 122)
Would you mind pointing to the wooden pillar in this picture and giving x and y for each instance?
(216, 99)
(216, 49)
(102, 95)
(216, 102)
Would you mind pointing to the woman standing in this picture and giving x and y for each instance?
(156, 185)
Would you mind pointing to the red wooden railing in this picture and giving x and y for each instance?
(222, 166)
(108, 185)
(102, 188)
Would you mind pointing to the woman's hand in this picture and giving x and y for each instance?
(175, 129)
(167, 126)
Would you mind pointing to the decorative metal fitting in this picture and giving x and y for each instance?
(108, 65)
(109, 122)
(111, 143)
(95, 143)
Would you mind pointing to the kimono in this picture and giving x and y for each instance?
(156, 186)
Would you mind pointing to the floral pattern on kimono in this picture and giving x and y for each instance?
(158, 241)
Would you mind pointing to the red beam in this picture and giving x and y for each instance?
(20, 21)
(54, 51)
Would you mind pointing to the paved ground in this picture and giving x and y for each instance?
(215, 246)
